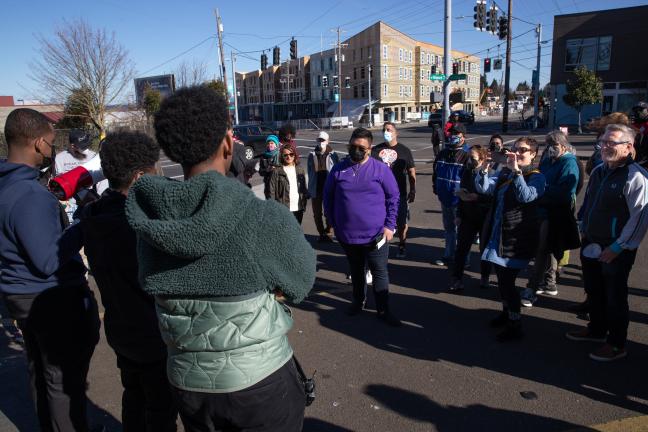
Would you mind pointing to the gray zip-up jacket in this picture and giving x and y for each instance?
(615, 211)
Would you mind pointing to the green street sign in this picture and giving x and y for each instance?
(458, 77)
(437, 77)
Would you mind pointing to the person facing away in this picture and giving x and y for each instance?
(437, 139)
(320, 162)
(42, 277)
(399, 158)
(288, 183)
(361, 203)
(446, 178)
(511, 230)
(472, 212)
(130, 320)
(269, 161)
(614, 223)
(216, 258)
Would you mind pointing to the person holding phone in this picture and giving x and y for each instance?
(511, 231)
(361, 199)
(471, 213)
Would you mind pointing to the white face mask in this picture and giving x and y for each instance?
(388, 136)
(322, 145)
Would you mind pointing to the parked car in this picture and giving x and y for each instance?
(253, 138)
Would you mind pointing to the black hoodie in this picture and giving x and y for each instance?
(130, 320)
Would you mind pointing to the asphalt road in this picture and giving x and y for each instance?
(443, 370)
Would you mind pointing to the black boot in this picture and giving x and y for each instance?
(500, 320)
(512, 331)
(382, 307)
(355, 308)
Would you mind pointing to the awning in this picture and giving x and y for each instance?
(352, 108)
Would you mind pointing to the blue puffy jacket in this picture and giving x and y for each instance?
(446, 176)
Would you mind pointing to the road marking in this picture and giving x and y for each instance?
(169, 166)
(630, 424)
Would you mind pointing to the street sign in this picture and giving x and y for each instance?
(458, 77)
(437, 77)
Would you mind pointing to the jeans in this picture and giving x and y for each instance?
(147, 401)
(506, 282)
(61, 330)
(450, 228)
(362, 256)
(607, 289)
(543, 274)
(321, 223)
(468, 230)
(299, 215)
(275, 404)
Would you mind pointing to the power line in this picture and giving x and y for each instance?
(179, 55)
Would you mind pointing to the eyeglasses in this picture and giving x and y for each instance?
(609, 143)
(521, 150)
(287, 155)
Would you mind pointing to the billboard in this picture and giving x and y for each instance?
(165, 84)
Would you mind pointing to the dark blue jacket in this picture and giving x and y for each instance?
(34, 255)
(446, 175)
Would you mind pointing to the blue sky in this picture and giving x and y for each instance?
(156, 31)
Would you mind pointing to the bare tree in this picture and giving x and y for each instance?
(190, 74)
(88, 62)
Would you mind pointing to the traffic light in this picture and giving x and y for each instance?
(325, 81)
(293, 49)
(336, 81)
(503, 28)
(347, 82)
(455, 68)
(480, 15)
(276, 57)
(487, 65)
(491, 20)
(264, 61)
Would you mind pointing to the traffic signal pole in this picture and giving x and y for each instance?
(536, 83)
(447, 60)
(507, 74)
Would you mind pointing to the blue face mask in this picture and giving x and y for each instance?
(388, 136)
(455, 140)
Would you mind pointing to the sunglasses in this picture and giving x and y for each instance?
(521, 150)
(286, 155)
(608, 143)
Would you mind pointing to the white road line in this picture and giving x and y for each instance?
(169, 166)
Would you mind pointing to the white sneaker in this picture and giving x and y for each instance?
(369, 277)
(528, 297)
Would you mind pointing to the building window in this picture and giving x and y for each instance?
(361, 53)
(323, 94)
(355, 73)
(400, 91)
(400, 73)
(331, 63)
(322, 64)
(400, 54)
(385, 89)
(355, 91)
(362, 73)
(369, 52)
(430, 58)
(364, 91)
(319, 80)
(411, 58)
(354, 55)
(422, 58)
(592, 53)
(385, 71)
(385, 52)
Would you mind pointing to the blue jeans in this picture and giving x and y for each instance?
(450, 228)
(362, 256)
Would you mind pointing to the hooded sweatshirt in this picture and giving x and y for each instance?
(212, 253)
(34, 253)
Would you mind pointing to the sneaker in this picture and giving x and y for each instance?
(401, 253)
(528, 298)
(355, 309)
(608, 353)
(477, 240)
(456, 285)
(583, 334)
(552, 291)
(539, 291)
(512, 331)
(439, 262)
(389, 319)
(500, 320)
(369, 277)
(484, 283)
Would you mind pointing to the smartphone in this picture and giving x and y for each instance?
(499, 157)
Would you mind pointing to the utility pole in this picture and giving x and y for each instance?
(447, 60)
(369, 78)
(507, 73)
(536, 83)
(219, 28)
(339, 47)
(236, 117)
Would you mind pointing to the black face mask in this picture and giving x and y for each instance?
(641, 115)
(357, 154)
(471, 164)
(48, 161)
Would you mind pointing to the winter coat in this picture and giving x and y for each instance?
(446, 176)
(279, 187)
(332, 159)
(212, 253)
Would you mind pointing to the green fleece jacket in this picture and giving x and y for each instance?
(211, 253)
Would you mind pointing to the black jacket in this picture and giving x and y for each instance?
(279, 187)
(473, 210)
(110, 244)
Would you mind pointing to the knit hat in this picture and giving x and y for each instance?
(272, 146)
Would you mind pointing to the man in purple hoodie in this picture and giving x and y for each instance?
(361, 203)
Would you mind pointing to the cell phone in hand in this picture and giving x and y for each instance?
(499, 157)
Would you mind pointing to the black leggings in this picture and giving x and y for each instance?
(468, 230)
(506, 282)
(299, 215)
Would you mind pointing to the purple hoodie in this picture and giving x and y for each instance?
(359, 204)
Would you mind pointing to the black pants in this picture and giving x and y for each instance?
(147, 401)
(275, 404)
(299, 215)
(506, 282)
(467, 231)
(61, 329)
(607, 292)
(321, 223)
(362, 256)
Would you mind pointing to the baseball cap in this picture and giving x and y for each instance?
(323, 136)
(640, 106)
(458, 128)
(80, 139)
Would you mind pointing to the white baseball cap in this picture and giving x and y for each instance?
(323, 136)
